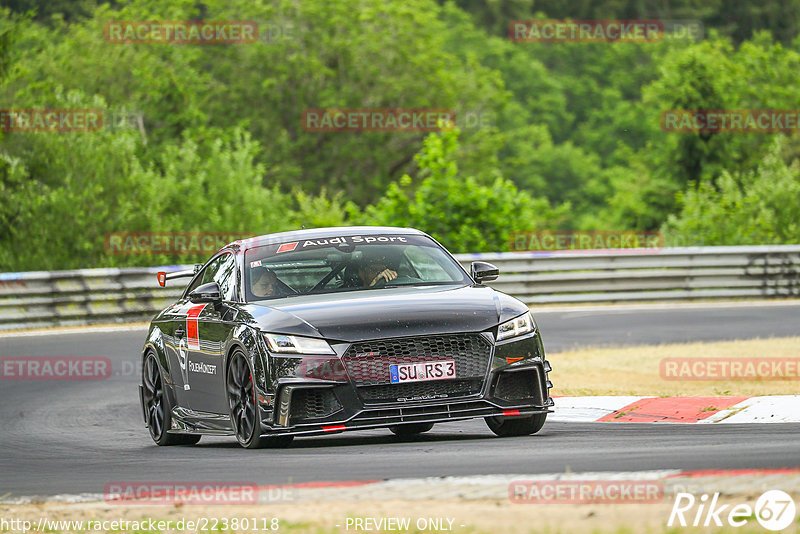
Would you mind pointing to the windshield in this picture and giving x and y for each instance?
(347, 263)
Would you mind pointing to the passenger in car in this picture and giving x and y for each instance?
(374, 271)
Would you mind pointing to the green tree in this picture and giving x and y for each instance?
(761, 208)
(65, 193)
(463, 213)
(711, 75)
(738, 19)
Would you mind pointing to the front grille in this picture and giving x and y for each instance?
(368, 364)
(520, 385)
(431, 389)
(313, 403)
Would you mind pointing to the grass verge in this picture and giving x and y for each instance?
(637, 371)
(461, 517)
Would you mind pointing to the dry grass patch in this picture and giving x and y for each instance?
(636, 370)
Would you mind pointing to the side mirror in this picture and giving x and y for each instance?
(206, 293)
(484, 272)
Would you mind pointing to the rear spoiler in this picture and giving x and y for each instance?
(164, 276)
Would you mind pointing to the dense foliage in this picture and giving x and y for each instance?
(547, 136)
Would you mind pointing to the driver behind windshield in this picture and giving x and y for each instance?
(263, 282)
(374, 271)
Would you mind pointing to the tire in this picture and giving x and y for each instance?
(410, 430)
(520, 426)
(244, 411)
(158, 407)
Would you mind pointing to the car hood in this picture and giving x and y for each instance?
(388, 312)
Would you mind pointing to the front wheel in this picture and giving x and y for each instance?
(518, 426)
(245, 414)
(158, 407)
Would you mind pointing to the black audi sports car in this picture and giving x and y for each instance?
(320, 331)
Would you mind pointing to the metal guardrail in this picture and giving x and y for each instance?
(86, 296)
(35, 299)
(686, 273)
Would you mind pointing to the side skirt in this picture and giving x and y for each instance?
(186, 421)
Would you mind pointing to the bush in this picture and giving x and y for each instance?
(465, 214)
(760, 208)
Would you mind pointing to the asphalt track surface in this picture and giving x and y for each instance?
(77, 436)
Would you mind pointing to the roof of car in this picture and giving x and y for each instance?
(318, 233)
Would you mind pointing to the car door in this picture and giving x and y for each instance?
(173, 329)
(180, 318)
(208, 328)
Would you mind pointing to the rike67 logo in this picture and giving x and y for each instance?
(774, 510)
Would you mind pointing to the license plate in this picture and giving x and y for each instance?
(417, 372)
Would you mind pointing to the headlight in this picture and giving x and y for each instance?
(516, 327)
(297, 344)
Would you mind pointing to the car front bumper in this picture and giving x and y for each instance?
(515, 384)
